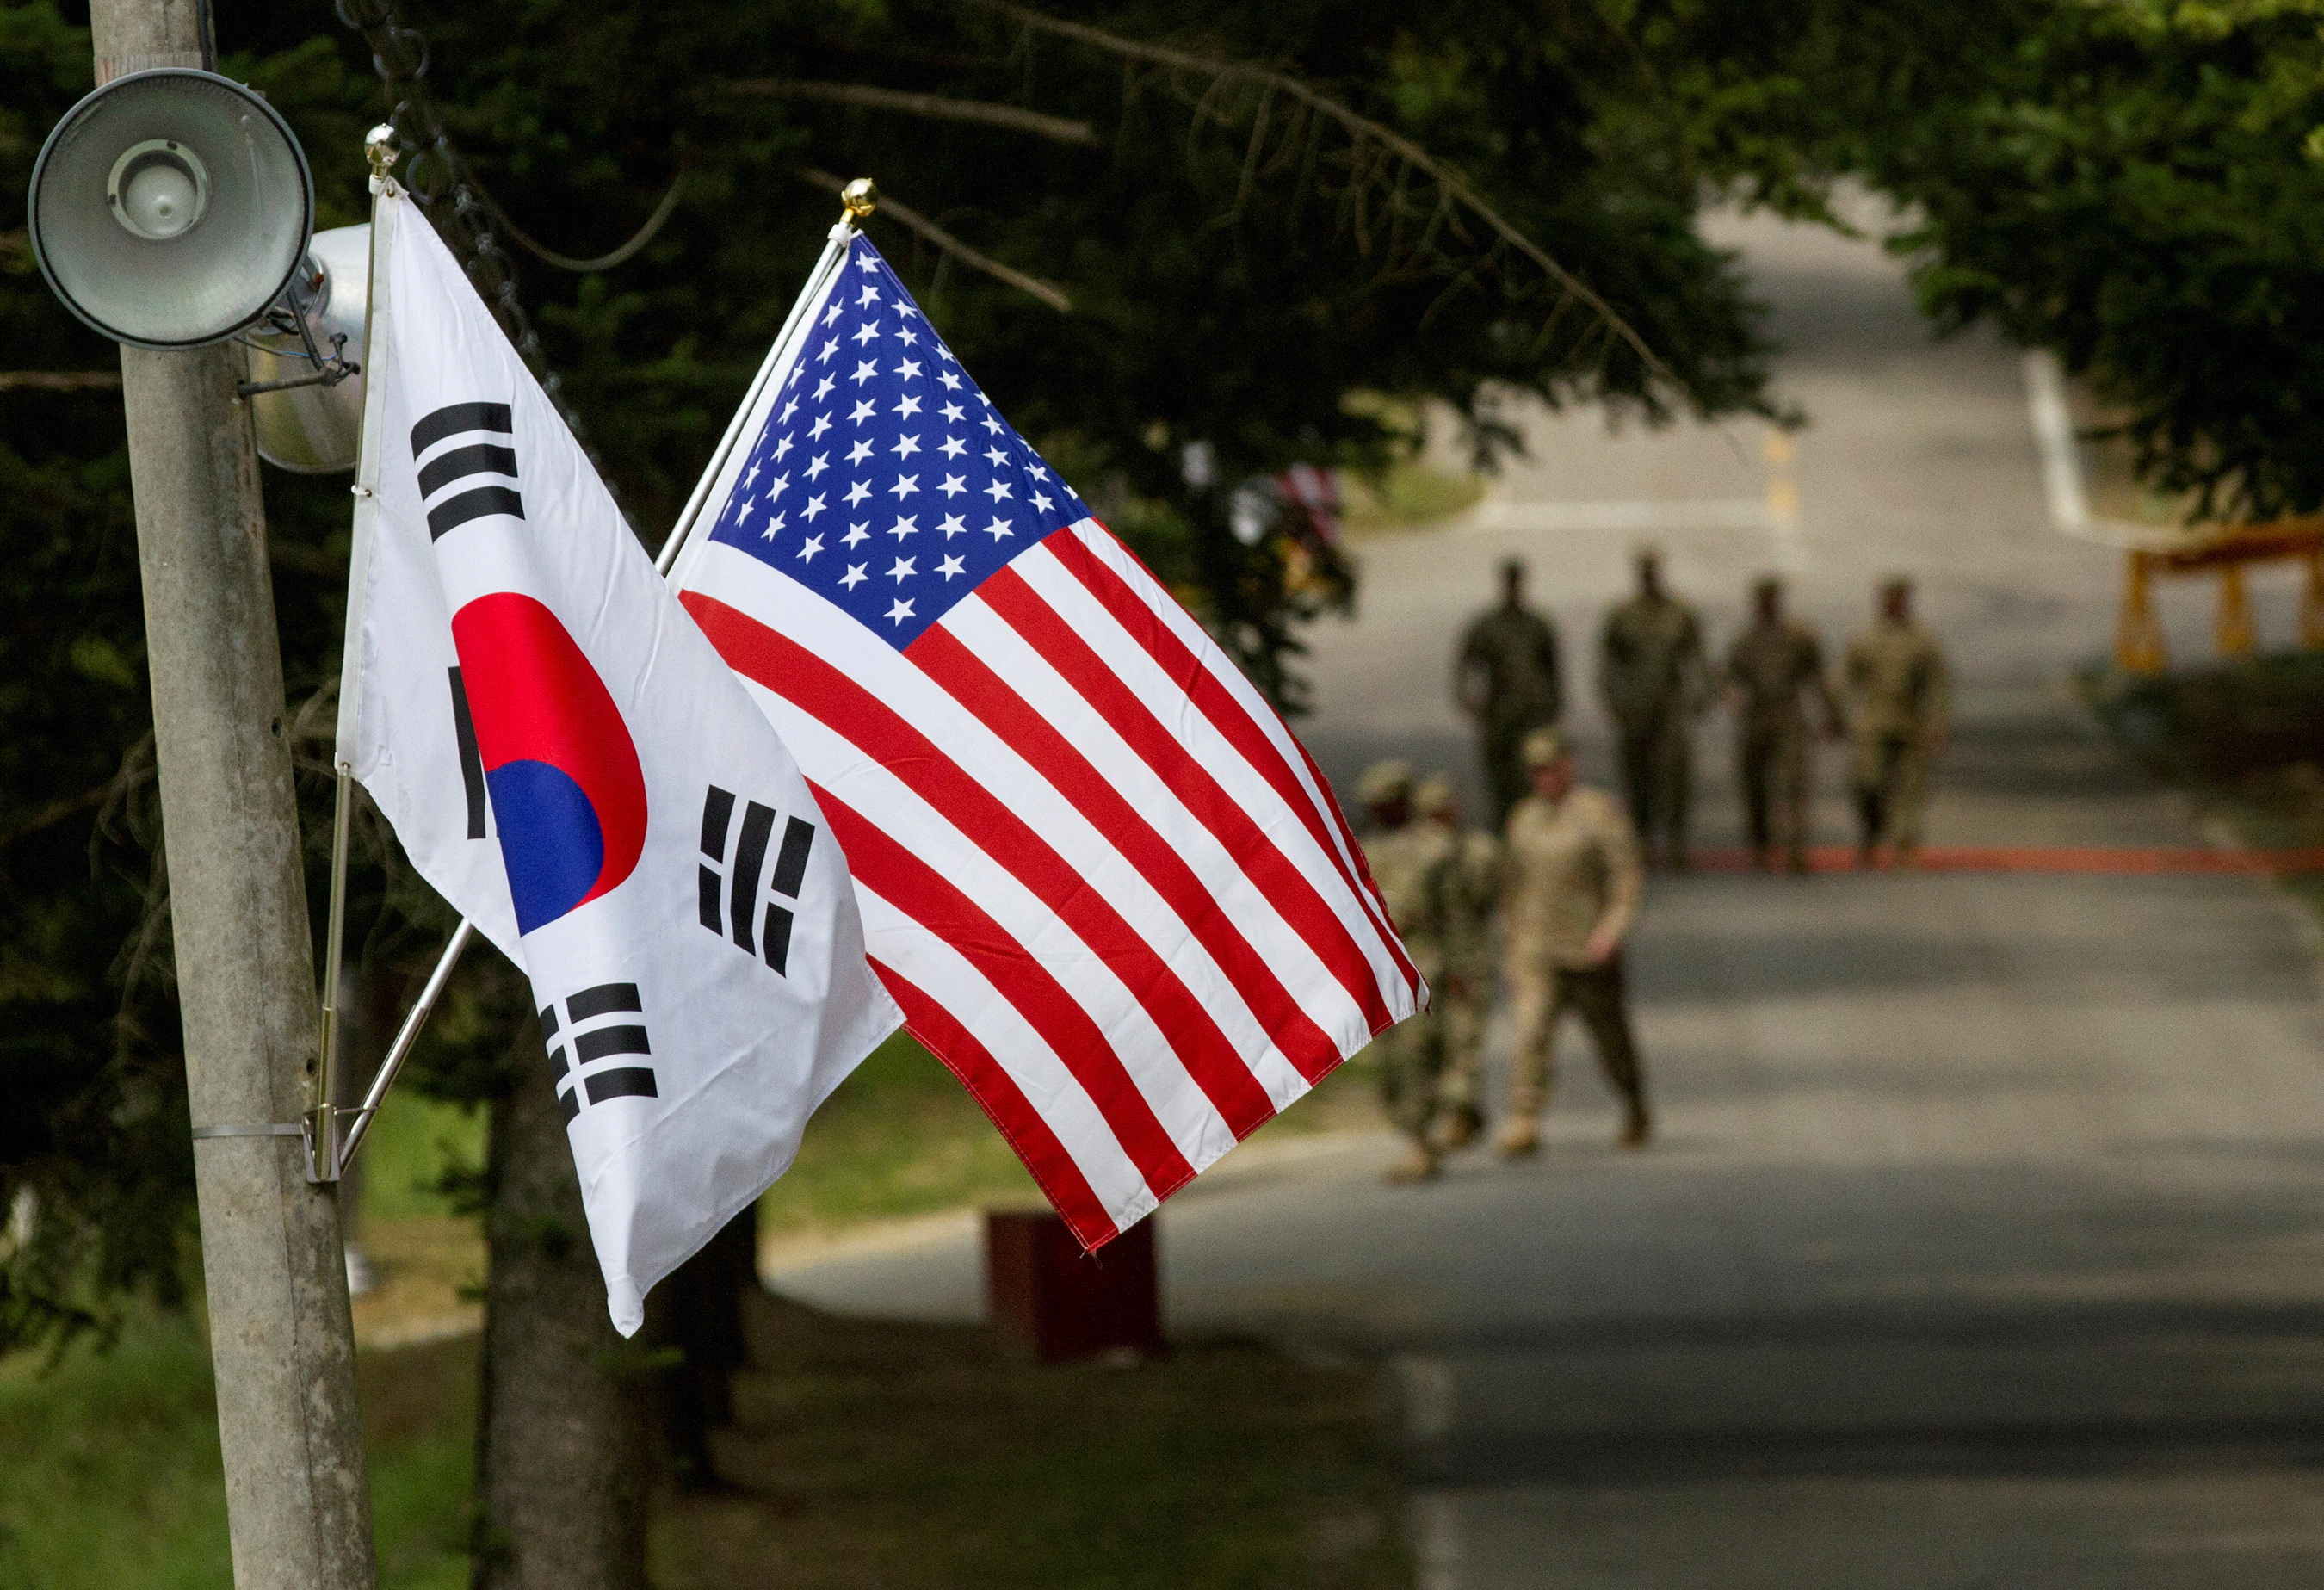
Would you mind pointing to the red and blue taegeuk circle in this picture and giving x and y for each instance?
(567, 793)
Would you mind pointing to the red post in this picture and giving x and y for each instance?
(1063, 1303)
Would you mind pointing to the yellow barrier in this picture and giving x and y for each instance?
(2138, 642)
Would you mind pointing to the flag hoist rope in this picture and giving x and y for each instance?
(328, 1152)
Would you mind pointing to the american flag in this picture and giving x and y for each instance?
(1108, 887)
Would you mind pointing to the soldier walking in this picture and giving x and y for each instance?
(1574, 886)
(1472, 896)
(1651, 674)
(1901, 701)
(1410, 861)
(1770, 667)
(1507, 678)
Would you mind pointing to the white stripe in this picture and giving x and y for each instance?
(1120, 651)
(986, 758)
(790, 609)
(949, 978)
(1296, 964)
(1190, 1121)
(1220, 666)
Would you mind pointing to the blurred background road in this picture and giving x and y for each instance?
(1983, 1241)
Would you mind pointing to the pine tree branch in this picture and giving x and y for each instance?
(1362, 131)
(55, 812)
(58, 380)
(911, 219)
(930, 105)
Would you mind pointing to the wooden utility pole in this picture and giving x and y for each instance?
(298, 1499)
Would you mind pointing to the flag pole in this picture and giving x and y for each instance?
(324, 1159)
(327, 1153)
(407, 1036)
(860, 199)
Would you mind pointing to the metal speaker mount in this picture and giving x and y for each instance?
(312, 423)
(170, 208)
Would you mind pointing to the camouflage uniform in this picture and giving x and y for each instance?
(1900, 705)
(1472, 895)
(1771, 664)
(1512, 653)
(1411, 864)
(1572, 870)
(1653, 677)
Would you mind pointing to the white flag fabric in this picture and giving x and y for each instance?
(568, 760)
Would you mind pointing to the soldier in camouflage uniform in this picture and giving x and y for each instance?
(1901, 702)
(1651, 674)
(1507, 678)
(1772, 665)
(1573, 889)
(1466, 998)
(1410, 861)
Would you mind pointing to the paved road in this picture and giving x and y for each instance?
(1985, 1241)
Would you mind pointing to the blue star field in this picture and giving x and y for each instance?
(884, 480)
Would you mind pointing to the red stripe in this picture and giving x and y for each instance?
(1339, 820)
(946, 660)
(914, 887)
(876, 729)
(1017, 1121)
(918, 890)
(1225, 714)
(1285, 886)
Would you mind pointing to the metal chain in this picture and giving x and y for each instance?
(401, 56)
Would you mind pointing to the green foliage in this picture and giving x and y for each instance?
(2132, 186)
(2136, 184)
(114, 1477)
(1234, 272)
(88, 1039)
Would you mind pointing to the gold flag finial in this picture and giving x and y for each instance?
(379, 147)
(861, 197)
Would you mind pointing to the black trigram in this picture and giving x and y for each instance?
(734, 896)
(487, 454)
(592, 1043)
(472, 759)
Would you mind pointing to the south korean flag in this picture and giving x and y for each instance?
(565, 758)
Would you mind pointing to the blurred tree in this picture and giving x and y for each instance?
(2136, 184)
(1253, 218)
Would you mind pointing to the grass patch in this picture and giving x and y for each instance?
(113, 1479)
(412, 1142)
(901, 1457)
(917, 1456)
(900, 1136)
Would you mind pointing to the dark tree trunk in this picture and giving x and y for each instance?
(564, 1460)
(698, 1313)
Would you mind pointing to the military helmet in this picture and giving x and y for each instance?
(1384, 781)
(1544, 746)
(1433, 797)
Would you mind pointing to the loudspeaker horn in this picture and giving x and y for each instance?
(316, 429)
(170, 208)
